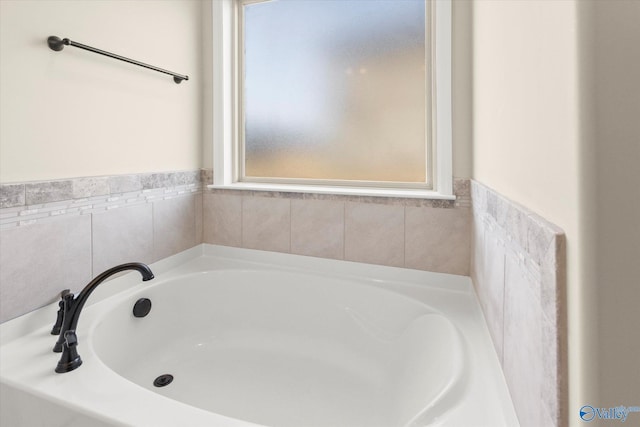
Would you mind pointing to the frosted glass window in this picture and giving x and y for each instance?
(335, 90)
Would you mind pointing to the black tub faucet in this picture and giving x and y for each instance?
(69, 313)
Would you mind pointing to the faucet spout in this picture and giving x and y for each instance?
(72, 307)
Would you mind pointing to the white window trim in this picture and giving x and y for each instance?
(224, 93)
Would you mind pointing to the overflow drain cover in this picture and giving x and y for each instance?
(142, 307)
(163, 380)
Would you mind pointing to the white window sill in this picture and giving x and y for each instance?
(346, 191)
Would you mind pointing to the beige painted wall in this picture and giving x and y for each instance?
(75, 113)
(461, 87)
(556, 104)
(207, 85)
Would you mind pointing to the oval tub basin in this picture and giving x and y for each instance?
(288, 349)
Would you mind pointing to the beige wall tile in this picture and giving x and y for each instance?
(90, 187)
(491, 290)
(48, 191)
(198, 217)
(122, 235)
(438, 239)
(222, 219)
(317, 228)
(477, 253)
(12, 195)
(551, 367)
(38, 261)
(174, 226)
(532, 253)
(124, 183)
(266, 223)
(523, 359)
(374, 234)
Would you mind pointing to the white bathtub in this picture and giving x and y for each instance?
(259, 338)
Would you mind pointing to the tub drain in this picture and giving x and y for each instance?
(163, 380)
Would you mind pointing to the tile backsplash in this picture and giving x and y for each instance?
(423, 234)
(518, 270)
(58, 234)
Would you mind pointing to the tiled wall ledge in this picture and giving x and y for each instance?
(59, 234)
(423, 234)
(518, 269)
(460, 188)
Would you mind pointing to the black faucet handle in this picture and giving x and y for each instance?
(70, 338)
(60, 317)
(56, 328)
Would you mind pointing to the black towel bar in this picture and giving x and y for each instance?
(57, 44)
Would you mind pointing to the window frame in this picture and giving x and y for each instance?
(228, 119)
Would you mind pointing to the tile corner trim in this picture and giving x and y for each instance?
(518, 268)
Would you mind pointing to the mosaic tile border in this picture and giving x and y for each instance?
(31, 202)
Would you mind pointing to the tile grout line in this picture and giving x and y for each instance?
(344, 230)
(201, 239)
(504, 299)
(92, 249)
(404, 236)
(290, 227)
(242, 221)
(153, 231)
